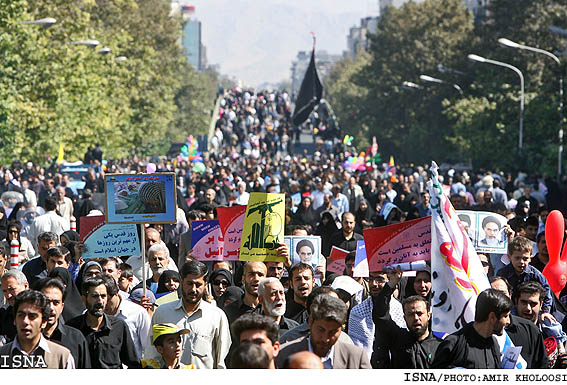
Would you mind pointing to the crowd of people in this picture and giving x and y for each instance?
(60, 310)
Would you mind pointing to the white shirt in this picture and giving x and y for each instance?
(242, 199)
(138, 321)
(43, 345)
(207, 344)
(328, 359)
(318, 198)
(49, 221)
(136, 262)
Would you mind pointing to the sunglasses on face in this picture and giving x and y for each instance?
(218, 283)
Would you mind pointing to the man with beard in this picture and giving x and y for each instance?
(110, 343)
(326, 318)
(411, 348)
(158, 261)
(259, 330)
(272, 298)
(361, 326)
(302, 282)
(254, 273)
(474, 346)
(207, 344)
(522, 328)
(56, 331)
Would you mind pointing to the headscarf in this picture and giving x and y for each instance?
(233, 293)
(366, 215)
(82, 270)
(326, 232)
(306, 216)
(14, 214)
(71, 235)
(225, 273)
(73, 303)
(164, 277)
(4, 219)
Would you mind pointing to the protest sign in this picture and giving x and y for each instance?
(305, 249)
(486, 230)
(140, 198)
(231, 220)
(263, 227)
(361, 268)
(108, 240)
(336, 260)
(408, 241)
(206, 241)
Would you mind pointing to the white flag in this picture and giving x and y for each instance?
(457, 273)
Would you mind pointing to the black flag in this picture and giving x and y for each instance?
(309, 95)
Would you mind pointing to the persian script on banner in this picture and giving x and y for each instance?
(408, 241)
(231, 220)
(457, 273)
(108, 240)
(263, 230)
(207, 243)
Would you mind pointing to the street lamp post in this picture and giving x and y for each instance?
(410, 86)
(431, 79)
(481, 59)
(511, 44)
(46, 22)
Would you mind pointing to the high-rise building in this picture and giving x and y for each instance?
(191, 40)
(192, 43)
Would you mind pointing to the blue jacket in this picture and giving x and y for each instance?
(529, 274)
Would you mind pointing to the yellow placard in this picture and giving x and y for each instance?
(263, 230)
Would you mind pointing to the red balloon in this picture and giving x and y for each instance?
(556, 269)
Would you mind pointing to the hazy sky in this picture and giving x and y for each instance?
(256, 40)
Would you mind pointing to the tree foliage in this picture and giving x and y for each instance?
(482, 125)
(55, 92)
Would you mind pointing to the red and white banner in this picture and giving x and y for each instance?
(457, 274)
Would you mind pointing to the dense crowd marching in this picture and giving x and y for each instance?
(59, 310)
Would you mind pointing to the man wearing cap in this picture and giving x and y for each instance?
(167, 341)
(148, 302)
(208, 343)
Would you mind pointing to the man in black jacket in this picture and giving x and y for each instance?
(110, 342)
(411, 348)
(524, 332)
(474, 346)
(56, 331)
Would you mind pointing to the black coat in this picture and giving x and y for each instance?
(406, 351)
(467, 349)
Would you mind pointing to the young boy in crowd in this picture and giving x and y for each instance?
(167, 341)
(519, 270)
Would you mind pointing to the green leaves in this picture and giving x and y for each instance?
(435, 121)
(52, 91)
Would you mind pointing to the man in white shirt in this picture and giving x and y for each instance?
(318, 195)
(64, 204)
(48, 222)
(208, 343)
(135, 316)
(241, 195)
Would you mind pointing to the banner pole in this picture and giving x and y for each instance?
(143, 250)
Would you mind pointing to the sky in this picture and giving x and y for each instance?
(256, 41)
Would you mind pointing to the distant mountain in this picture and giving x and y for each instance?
(256, 40)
